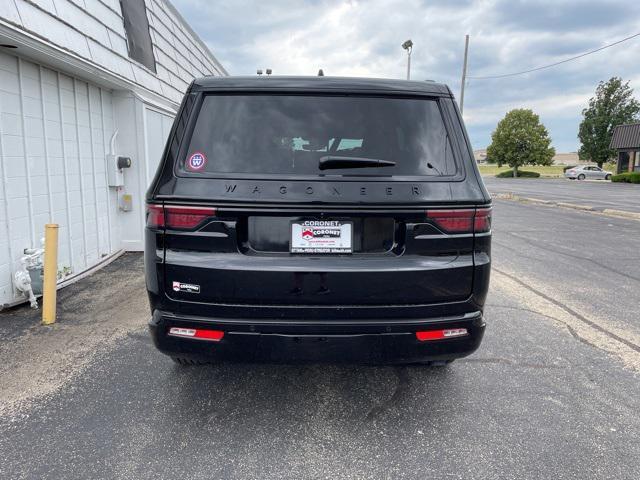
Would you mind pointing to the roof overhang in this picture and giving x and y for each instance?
(34, 47)
(626, 137)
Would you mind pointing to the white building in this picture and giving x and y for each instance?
(72, 74)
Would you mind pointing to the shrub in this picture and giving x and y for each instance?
(521, 173)
(628, 177)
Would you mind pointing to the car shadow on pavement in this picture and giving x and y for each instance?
(263, 393)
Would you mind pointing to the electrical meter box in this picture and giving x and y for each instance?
(115, 175)
(115, 169)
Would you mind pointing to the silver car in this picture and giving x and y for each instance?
(582, 172)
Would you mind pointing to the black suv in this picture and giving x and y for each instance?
(317, 218)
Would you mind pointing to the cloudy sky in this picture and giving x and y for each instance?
(363, 38)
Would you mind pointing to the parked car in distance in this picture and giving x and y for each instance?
(317, 218)
(591, 172)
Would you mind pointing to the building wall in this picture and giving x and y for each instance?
(67, 88)
(54, 134)
(94, 30)
(142, 134)
(158, 127)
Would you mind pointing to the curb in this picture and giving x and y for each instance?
(608, 212)
(576, 207)
(537, 200)
(621, 213)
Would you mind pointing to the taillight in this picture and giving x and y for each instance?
(427, 335)
(482, 220)
(453, 221)
(187, 217)
(467, 220)
(177, 217)
(155, 216)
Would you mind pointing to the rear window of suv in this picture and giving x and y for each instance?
(291, 134)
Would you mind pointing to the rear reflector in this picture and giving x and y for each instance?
(466, 220)
(213, 335)
(441, 334)
(177, 217)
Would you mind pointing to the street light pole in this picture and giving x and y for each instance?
(408, 46)
(464, 72)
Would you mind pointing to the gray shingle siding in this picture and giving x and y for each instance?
(94, 30)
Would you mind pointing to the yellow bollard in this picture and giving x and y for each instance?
(50, 273)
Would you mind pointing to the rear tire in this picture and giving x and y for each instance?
(187, 362)
(581, 177)
(607, 177)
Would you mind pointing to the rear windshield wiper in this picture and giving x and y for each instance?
(335, 161)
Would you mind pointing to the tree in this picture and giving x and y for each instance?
(520, 139)
(613, 105)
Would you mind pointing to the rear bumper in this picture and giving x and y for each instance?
(295, 341)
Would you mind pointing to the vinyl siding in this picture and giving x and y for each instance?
(94, 30)
(54, 132)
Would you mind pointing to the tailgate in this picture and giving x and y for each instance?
(364, 257)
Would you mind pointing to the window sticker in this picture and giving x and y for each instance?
(196, 162)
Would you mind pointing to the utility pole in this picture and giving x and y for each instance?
(464, 72)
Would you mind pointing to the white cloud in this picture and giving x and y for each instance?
(363, 38)
(557, 106)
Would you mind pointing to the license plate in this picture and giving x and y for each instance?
(321, 236)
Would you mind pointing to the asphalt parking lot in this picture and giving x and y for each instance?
(599, 194)
(553, 392)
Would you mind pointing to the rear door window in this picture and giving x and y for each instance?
(290, 134)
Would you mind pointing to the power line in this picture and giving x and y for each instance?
(556, 63)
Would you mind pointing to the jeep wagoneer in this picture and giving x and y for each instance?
(317, 218)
